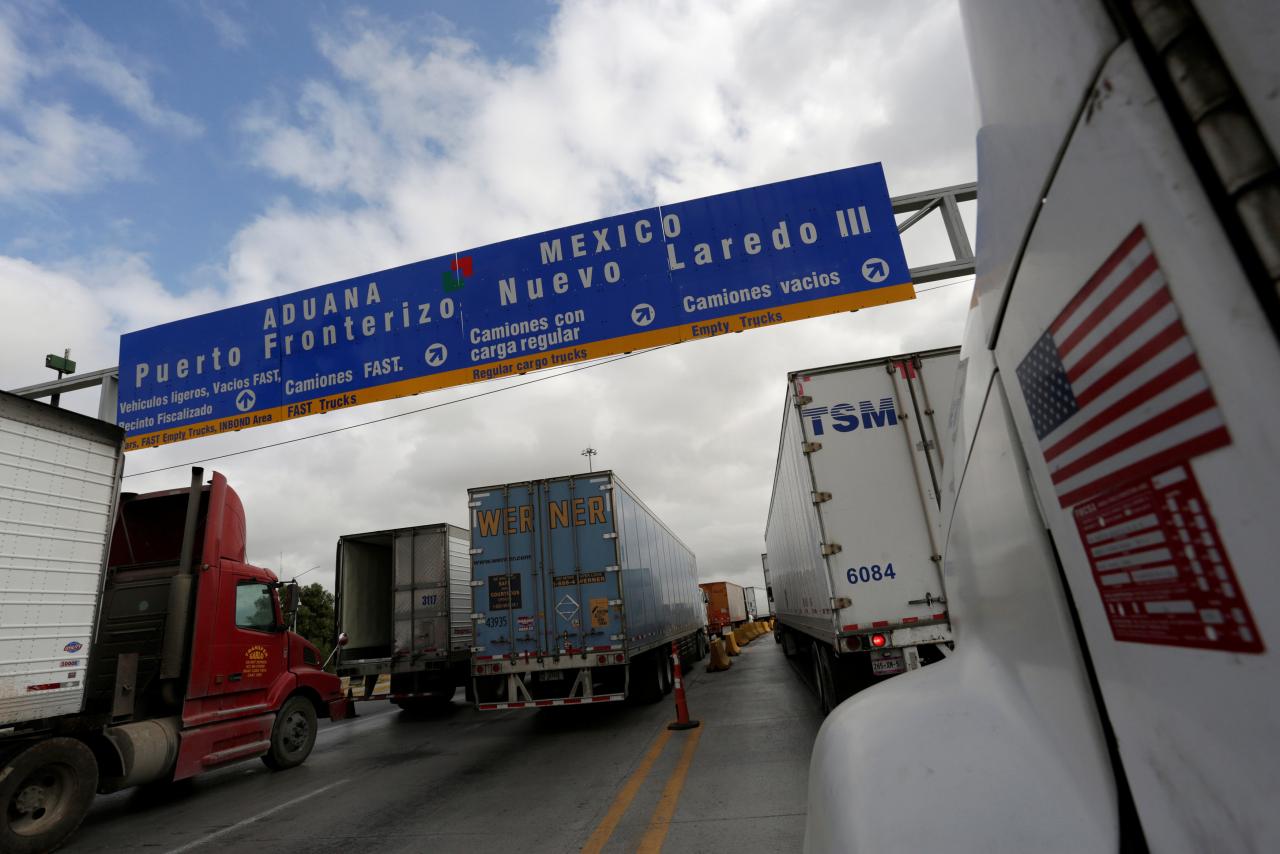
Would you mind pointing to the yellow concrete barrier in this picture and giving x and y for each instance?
(731, 644)
(719, 657)
(740, 635)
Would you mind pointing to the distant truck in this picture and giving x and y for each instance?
(136, 645)
(853, 543)
(403, 599)
(578, 592)
(726, 605)
(757, 603)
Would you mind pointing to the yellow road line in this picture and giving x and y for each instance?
(619, 807)
(660, 822)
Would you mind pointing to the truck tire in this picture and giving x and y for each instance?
(668, 672)
(645, 684)
(293, 735)
(45, 793)
(824, 684)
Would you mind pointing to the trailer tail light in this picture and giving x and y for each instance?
(497, 668)
(878, 640)
(853, 643)
(602, 659)
(479, 669)
(619, 658)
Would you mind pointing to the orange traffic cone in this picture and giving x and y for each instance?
(682, 708)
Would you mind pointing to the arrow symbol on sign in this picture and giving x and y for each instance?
(642, 314)
(436, 354)
(875, 270)
(245, 400)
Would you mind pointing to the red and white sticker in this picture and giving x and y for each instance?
(1161, 567)
(524, 623)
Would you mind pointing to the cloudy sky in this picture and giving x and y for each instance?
(167, 159)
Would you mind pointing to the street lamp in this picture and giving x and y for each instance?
(589, 453)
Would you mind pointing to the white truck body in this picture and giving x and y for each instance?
(59, 483)
(852, 537)
(757, 603)
(1110, 503)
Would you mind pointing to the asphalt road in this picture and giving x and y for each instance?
(608, 778)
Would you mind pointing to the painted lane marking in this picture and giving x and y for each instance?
(604, 830)
(660, 822)
(251, 819)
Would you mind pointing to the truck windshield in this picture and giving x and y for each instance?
(254, 606)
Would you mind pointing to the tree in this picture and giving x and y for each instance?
(315, 617)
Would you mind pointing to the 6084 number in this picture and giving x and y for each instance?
(865, 574)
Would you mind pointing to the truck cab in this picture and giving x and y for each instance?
(239, 664)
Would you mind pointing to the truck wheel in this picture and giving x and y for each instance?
(645, 684)
(293, 735)
(668, 673)
(46, 791)
(823, 682)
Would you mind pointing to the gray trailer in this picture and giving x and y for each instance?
(403, 600)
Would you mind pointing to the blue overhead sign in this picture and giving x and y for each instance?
(726, 263)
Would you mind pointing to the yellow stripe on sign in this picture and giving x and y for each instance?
(660, 822)
(604, 830)
(709, 328)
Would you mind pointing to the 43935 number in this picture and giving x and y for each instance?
(867, 574)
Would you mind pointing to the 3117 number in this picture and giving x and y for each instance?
(867, 574)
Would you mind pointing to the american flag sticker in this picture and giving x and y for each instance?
(1114, 387)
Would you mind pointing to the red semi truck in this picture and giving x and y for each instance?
(136, 644)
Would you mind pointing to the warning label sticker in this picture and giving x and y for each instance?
(504, 593)
(1161, 568)
(599, 612)
(524, 623)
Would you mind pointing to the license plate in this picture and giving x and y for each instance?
(887, 662)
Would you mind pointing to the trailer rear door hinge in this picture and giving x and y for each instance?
(803, 399)
(473, 504)
(926, 445)
(477, 649)
(617, 602)
(617, 637)
(936, 558)
(475, 551)
(829, 549)
(612, 535)
(612, 568)
(928, 599)
(838, 602)
(479, 583)
(810, 447)
(477, 617)
(819, 497)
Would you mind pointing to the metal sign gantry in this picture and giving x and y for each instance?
(945, 200)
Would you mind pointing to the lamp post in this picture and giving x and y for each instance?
(589, 453)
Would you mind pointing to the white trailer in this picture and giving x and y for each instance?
(854, 550)
(59, 482)
(1110, 497)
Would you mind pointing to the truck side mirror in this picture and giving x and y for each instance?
(290, 600)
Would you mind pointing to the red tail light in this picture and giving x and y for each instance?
(619, 658)
(479, 668)
(878, 640)
(601, 659)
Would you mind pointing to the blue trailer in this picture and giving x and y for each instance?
(578, 591)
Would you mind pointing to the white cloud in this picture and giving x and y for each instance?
(98, 63)
(56, 152)
(47, 147)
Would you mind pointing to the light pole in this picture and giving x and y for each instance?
(589, 453)
(294, 580)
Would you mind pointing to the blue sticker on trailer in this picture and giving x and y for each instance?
(728, 263)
